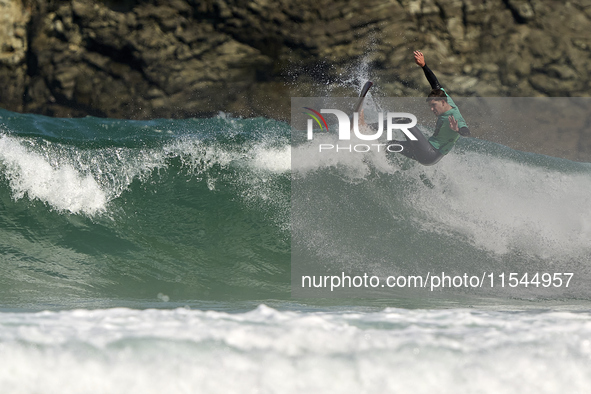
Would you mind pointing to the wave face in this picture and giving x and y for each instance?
(199, 209)
(174, 209)
(484, 210)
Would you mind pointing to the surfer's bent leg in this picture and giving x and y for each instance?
(420, 150)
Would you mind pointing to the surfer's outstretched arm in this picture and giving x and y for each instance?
(431, 77)
(420, 60)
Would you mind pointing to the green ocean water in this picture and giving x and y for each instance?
(114, 212)
(161, 210)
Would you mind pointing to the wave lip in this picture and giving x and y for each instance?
(60, 186)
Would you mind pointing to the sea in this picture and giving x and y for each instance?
(156, 256)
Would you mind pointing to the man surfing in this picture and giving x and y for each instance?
(450, 124)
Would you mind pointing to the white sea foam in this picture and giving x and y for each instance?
(269, 351)
(276, 160)
(58, 184)
(503, 205)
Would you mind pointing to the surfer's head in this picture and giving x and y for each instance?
(437, 94)
(437, 101)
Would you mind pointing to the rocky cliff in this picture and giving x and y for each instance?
(182, 58)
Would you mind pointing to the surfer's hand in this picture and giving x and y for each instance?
(419, 58)
(453, 123)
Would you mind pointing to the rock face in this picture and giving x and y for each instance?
(182, 58)
(14, 19)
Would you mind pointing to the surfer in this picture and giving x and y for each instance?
(450, 124)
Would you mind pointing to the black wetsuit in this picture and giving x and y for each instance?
(423, 149)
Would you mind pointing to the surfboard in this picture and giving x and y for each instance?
(362, 94)
(364, 91)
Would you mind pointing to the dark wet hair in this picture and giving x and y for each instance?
(437, 94)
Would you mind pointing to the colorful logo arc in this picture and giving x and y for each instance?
(315, 115)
